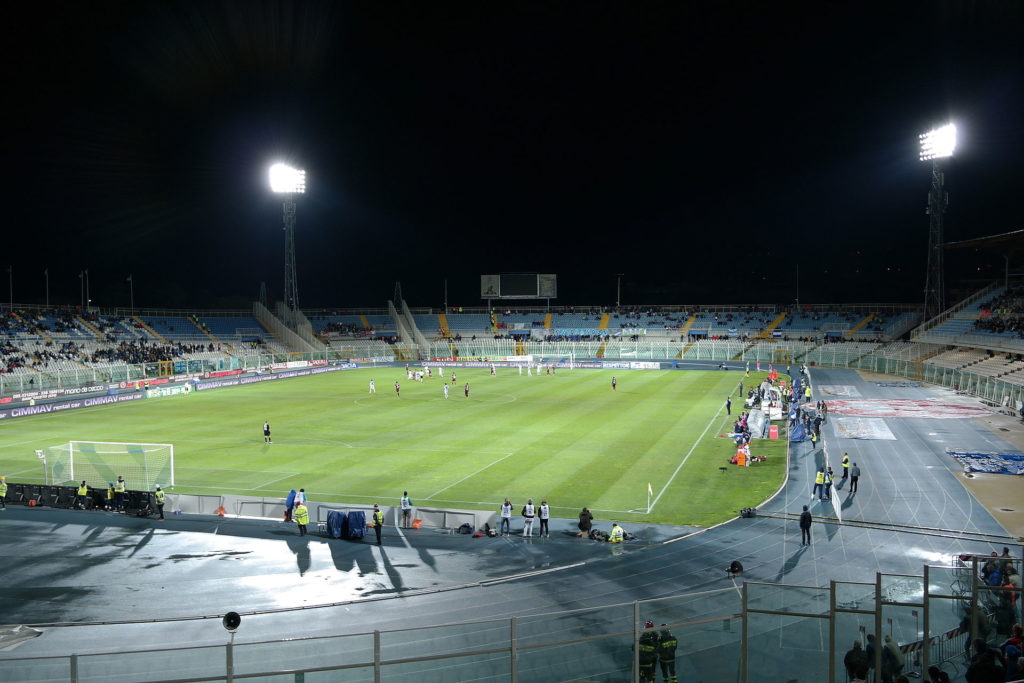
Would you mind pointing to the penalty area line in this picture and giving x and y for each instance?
(683, 462)
(472, 474)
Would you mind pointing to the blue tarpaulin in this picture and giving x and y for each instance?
(990, 463)
(798, 434)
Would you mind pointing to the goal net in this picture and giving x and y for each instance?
(143, 465)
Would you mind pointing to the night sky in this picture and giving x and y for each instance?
(702, 149)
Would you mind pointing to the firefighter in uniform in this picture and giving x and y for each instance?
(159, 493)
(81, 500)
(648, 653)
(667, 656)
(616, 534)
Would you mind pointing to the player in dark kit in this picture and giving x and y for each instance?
(466, 389)
(615, 383)
(398, 390)
(266, 433)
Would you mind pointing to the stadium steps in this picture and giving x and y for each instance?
(442, 322)
(520, 349)
(600, 350)
(686, 348)
(195, 321)
(604, 321)
(139, 321)
(89, 326)
(802, 355)
(38, 330)
(856, 328)
(365, 322)
(686, 327)
(767, 332)
(547, 321)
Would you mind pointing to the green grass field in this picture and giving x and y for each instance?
(567, 438)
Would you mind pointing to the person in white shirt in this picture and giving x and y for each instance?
(406, 505)
(545, 515)
(446, 392)
(506, 517)
(529, 512)
(373, 387)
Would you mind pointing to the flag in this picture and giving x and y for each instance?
(650, 491)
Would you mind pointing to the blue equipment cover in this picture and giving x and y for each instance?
(354, 525)
(335, 523)
(798, 433)
(289, 502)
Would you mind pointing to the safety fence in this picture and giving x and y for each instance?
(749, 633)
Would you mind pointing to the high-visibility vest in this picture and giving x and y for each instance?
(302, 514)
(616, 535)
(160, 497)
(820, 478)
(378, 517)
(3, 489)
(83, 490)
(119, 486)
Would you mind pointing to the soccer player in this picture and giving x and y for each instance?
(454, 379)
(266, 432)
(466, 389)
(615, 383)
(446, 392)
(373, 387)
(398, 390)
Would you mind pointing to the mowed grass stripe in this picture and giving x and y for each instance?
(573, 440)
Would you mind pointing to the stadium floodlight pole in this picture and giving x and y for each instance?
(618, 289)
(288, 182)
(936, 145)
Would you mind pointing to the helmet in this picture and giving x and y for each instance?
(649, 624)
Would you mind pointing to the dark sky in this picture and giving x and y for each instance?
(703, 149)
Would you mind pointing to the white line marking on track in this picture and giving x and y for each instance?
(473, 474)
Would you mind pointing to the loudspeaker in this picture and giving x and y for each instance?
(231, 621)
(748, 512)
(735, 568)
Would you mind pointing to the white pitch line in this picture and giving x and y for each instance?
(473, 474)
(680, 466)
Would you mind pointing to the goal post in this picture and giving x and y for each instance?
(143, 465)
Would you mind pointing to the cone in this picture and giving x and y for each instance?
(220, 511)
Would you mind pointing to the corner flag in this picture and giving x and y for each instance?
(650, 491)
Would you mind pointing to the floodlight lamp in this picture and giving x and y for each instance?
(287, 180)
(938, 143)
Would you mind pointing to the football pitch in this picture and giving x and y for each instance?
(566, 438)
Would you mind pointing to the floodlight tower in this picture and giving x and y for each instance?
(288, 182)
(936, 145)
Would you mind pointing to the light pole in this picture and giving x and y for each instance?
(618, 289)
(46, 274)
(131, 293)
(935, 145)
(288, 182)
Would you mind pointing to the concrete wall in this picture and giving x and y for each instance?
(273, 508)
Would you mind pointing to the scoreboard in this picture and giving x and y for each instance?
(519, 286)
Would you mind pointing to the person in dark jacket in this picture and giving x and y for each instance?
(856, 661)
(586, 521)
(667, 644)
(805, 527)
(986, 665)
(648, 653)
